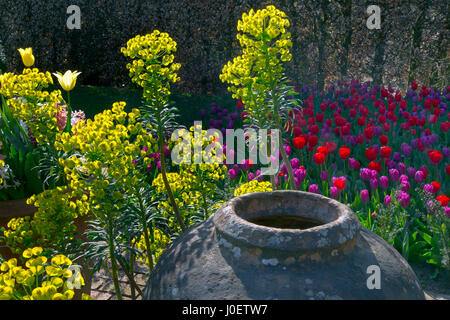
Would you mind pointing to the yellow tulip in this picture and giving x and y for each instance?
(68, 80)
(27, 56)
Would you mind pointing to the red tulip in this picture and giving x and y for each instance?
(435, 156)
(447, 169)
(443, 199)
(369, 132)
(361, 121)
(373, 165)
(360, 139)
(436, 186)
(412, 121)
(344, 153)
(445, 126)
(323, 150)
(319, 158)
(371, 153)
(385, 151)
(299, 142)
(319, 117)
(314, 129)
(383, 139)
(346, 129)
(422, 122)
(403, 104)
(331, 146)
(312, 141)
(297, 131)
(340, 184)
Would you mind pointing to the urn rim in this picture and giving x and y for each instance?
(339, 223)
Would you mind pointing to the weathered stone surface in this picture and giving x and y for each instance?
(228, 257)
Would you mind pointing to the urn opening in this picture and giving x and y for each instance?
(286, 222)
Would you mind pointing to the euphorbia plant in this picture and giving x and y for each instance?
(257, 76)
(28, 126)
(102, 176)
(153, 69)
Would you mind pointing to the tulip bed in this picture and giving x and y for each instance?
(382, 152)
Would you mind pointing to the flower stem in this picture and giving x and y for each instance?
(114, 267)
(166, 182)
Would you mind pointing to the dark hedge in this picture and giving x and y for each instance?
(330, 38)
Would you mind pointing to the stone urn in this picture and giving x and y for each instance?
(282, 245)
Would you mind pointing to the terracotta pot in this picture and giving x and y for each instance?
(282, 245)
(20, 208)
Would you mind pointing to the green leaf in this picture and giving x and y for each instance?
(427, 238)
(33, 183)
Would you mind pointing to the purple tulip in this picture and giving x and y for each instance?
(430, 207)
(300, 174)
(373, 174)
(365, 195)
(334, 192)
(365, 174)
(313, 188)
(384, 182)
(245, 165)
(411, 171)
(251, 176)
(419, 176)
(295, 164)
(159, 165)
(232, 173)
(277, 182)
(405, 186)
(387, 200)
(353, 163)
(406, 149)
(373, 183)
(324, 175)
(288, 149)
(403, 198)
(401, 167)
(429, 188)
(390, 164)
(284, 169)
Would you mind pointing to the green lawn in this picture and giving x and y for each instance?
(93, 100)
